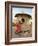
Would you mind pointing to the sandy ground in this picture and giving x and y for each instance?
(20, 35)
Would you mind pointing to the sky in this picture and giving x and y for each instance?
(16, 10)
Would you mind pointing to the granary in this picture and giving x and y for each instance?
(24, 18)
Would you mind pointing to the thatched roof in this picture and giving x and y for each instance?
(22, 14)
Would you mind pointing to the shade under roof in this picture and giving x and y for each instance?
(23, 14)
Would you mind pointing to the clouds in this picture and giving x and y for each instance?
(21, 10)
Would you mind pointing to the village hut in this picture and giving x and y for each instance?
(25, 20)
